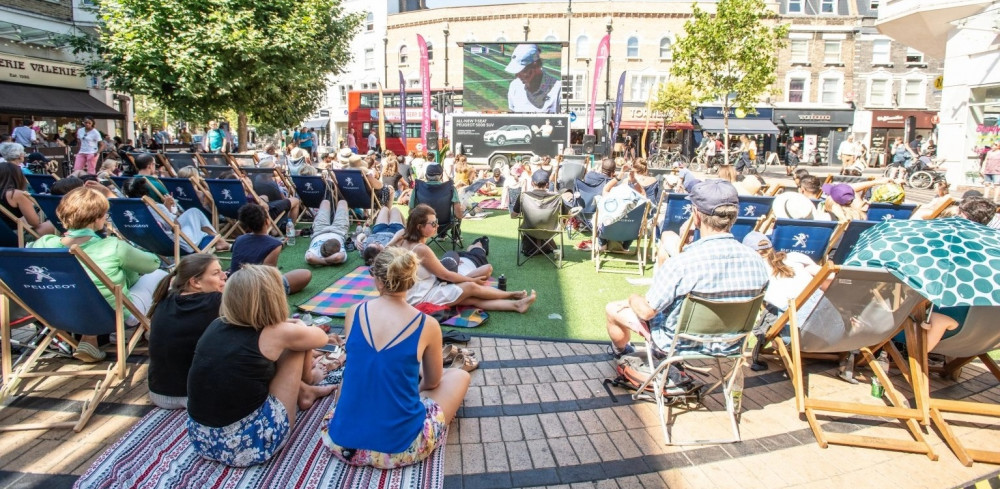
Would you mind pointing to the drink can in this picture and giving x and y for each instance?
(878, 390)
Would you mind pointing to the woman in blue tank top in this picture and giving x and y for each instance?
(397, 423)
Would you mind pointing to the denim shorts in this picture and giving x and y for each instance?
(250, 441)
(393, 227)
(992, 178)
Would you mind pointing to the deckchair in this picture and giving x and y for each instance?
(120, 182)
(215, 171)
(848, 237)
(228, 195)
(247, 160)
(48, 204)
(214, 159)
(185, 192)
(439, 197)
(14, 237)
(652, 191)
(311, 190)
(755, 206)
(862, 309)
(741, 228)
(879, 211)
(41, 184)
(704, 322)
(811, 238)
(631, 227)
(586, 198)
(134, 219)
(181, 160)
(352, 186)
(55, 286)
(676, 215)
(847, 179)
(569, 172)
(539, 227)
(940, 207)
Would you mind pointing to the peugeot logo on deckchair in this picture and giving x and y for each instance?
(40, 273)
(130, 216)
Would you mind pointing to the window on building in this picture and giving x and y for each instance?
(795, 6)
(826, 6)
(414, 82)
(632, 48)
(800, 50)
(913, 93)
(831, 52)
(797, 89)
(370, 22)
(583, 47)
(430, 51)
(879, 92)
(914, 57)
(579, 86)
(873, 4)
(830, 91)
(880, 52)
(551, 38)
(641, 85)
(501, 39)
(666, 48)
(404, 55)
(369, 58)
(343, 93)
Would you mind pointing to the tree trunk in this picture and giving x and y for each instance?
(242, 131)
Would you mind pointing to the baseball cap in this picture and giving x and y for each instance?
(690, 183)
(757, 241)
(841, 193)
(434, 170)
(523, 55)
(450, 261)
(709, 195)
(540, 177)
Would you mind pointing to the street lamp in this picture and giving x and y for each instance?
(446, 32)
(569, 41)
(527, 29)
(607, 70)
(385, 59)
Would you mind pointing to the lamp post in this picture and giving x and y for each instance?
(607, 70)
(446, 32)
(527, 29)
(569, 42)
(385, 59)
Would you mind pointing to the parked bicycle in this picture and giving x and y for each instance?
(666, 159)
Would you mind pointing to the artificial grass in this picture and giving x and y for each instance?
(576, 293)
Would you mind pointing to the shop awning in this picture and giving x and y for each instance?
(35, 100)
(317, 123)
(635, 125)
(739, 126)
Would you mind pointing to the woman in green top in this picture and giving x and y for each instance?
(84, 212)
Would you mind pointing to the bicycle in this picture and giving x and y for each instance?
(667, 160)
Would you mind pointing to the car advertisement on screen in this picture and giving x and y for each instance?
(513, 77)
(480, 136)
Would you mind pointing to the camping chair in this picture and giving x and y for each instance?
(228, 195)
(40, 183)
(55, 286)
(811, 238)
(134, 219)
(862, 309)
(631, 227)
(48, 204)
(569, 172)
(185, 192)
(352, 186)
(311, 190)
(879, 211)
(848, 238)
(755, 206)
(704, 321)
(181, 160)
(539, 225)
(439, 197)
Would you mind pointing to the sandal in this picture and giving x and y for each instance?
(448, 354)
(87, 353)
(465, 362)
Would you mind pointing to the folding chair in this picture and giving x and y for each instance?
(708, 323)
(439, 197)
(586, 198)
(939, 208)
(352, 186)
(228, 195)
(811, 238)
(311, 190)
(48, 204)
(631, 227)
(848, 238)
(862, 309)
(214, 159)
(652, 191)
(185, 192)
(181, 160)
(755, 206)
(55, 286)
(215, 171)
(539, 225)
(569, 172)
(244, 160)
(14, 237)
(676, 214)
(831, 178)
(135, 220)
(879, 211)
(41, 184)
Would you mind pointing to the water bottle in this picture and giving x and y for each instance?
(290, 232)
(736, 389)
(502, 282)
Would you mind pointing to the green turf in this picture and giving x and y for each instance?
(577, 293)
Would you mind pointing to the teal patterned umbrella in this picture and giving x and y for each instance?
(951, 262)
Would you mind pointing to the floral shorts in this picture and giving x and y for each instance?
(250, 441)
(425, 443)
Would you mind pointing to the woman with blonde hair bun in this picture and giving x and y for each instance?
(401, 422)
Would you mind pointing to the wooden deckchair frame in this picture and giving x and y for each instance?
(22, 226)
(178, 233)
(792, 357)
(937, 210)
(599, 256)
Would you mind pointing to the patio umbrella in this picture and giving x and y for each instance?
(951, 262)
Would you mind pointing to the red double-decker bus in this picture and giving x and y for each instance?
(363, 116)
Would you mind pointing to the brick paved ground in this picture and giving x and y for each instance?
(538, 414)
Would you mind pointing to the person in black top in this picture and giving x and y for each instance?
(185, 303)
(259, 248)
(253, 370)
(265, 186)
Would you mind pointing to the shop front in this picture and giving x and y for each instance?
(54, 96)
(636, 120)
(817, 131)
(755, 124)
(887, 125)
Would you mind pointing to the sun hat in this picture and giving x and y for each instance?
(793, 205)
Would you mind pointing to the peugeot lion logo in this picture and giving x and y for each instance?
(226, 194)
(180, 192)
(40, 273)
(130, 216)
(348, 182)
(309, 186)
(800, 240)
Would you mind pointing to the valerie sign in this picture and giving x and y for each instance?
(34, 71)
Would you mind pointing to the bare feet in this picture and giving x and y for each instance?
(309, 393)
(521, 294)
(222, 245)
(525, 303)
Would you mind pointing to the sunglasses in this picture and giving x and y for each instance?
(433, 223)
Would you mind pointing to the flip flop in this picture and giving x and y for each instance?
(452, 336)
(464, 362)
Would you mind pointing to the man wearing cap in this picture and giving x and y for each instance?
(533, 90)
(433, 177)
(716, 267)
(539, 191)
(265, 186)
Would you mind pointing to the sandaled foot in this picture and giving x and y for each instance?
(464, 362)
(308, 394)
(524, 304)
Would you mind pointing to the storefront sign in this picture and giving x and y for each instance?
(34, 71)
(897, 118)
(716, 113)
(824, 118)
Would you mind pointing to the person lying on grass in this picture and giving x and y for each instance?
(329, 235)
(257, 247)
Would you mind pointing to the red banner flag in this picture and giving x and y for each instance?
(425, 86)
(603, 48)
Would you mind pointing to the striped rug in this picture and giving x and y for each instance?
(156, 454)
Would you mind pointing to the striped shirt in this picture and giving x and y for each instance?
(716, 267)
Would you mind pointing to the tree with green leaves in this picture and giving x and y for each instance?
(268, 60)
(731, 52)
(675, 100)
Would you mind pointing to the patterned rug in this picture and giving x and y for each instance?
(156, 454)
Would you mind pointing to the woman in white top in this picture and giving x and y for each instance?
(89, 144)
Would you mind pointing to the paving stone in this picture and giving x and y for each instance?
(544, 375)
(591, 422)
(625, 445)
(584, 450)
(473, 397)
(453, 460)
(492, 376)
(578, 473)
(509, 395)
(534, 351)
(517, 455)
(571, 423)
(550, 423)
(499, 480)
(527, 393)
(510, 376)
(559, 373)
(537, 477)
(605, 447)
(541, 454)
(496, 457)
(563, 452)
(504, 353)
(473, 461)
(510, 429)
(527, 376)
(469, 430)
(532, 427)
(491, 395)
(610, 420)
(580, 389)
(489, 430)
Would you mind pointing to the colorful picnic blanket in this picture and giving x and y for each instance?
(358, 286)
(156, 454)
